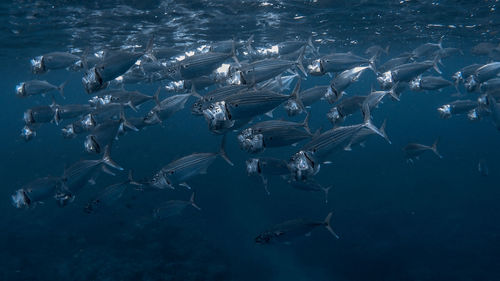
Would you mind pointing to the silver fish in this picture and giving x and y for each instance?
(174, 208)
(37, 87)
(414, 150)
(292, 229)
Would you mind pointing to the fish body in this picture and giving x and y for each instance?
(336, 62)
(36, 191)
(414, 150)
(166, 108)
(37, 87)
(292, 229)
(429, 83)
(457, 107)
(52, 61)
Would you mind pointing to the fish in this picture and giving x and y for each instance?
(174, 208)
(295, 106)
(179, 171)
(266, 166)
(109, 195)
(166, 108)
(82, 166)
(346, 107)
(241, 106)
(405, 73)
(213, 96)
(36, 192)
(37, 87)
(456, 107)
(490, 86)
(427, 49)
(262, 70)
(40, 114)
(394, 62)
(342, 81)
(414, 150)
(28, 133)
(201, 64)
(133, 99)
(465, 72)
(273, 133)
(112, 65)
(52, 61)
(429, 83)
(70, 111)
(292, 229)
(337, 62)
(482, 74)
(312, 186)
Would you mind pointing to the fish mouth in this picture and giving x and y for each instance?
(20, 199)
(470, 84)
(251, 143)
(472, 115)
(28, 117)
(332, 95)
(385, 80)
(333, 115)
(445, 111)
(92, 81)
(315, 68)
(27, 133)
(68, 131)
(37, 65)
(218, 117)
(91, 145)
(20, 91)
(415, 84)
(292, 108)
(253, 166)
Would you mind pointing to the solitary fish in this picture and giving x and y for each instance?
(414, 150)
(174, 208)
(292, 229)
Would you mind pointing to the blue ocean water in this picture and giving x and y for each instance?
(436, 219)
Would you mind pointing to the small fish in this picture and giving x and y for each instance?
(179, 171)
(52, 61)
(346, 107)
(83, 166)
(296, 105)
(113, 65)
(36, 191)
(273, 133)
(174, 208)
(405, 73)
(37, 87)
(342, 81)
(429, 83)
(427, 49)
(166, 108)
(414, 150)
(312, 186)
(456, 107)
(109, 195)
(337, 62)
(292, 229)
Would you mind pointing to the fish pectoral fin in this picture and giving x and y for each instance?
(185, 185)
(308, 234)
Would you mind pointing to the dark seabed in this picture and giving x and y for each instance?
(433, 219)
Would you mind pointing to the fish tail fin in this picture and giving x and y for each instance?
(131, 179)
(149, 49)
(298, 62)
(233, 54)
(222, 151)
(311, 45)
(156, 96)
(194, 93)
(386, 50)
(296, 94)
(106, 159)
(372, 62)
(305, 123)
(328, 225)
(368, 122)
(326, 191)
(54, 106)
(435, 64)
(440, 43)
(131, 105)
(434, 148)
(191, 200)
(60, 88)
(382, 130)
(126, 123)
(248, 45)
(393, 93)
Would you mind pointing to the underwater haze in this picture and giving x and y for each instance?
(122, 160)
